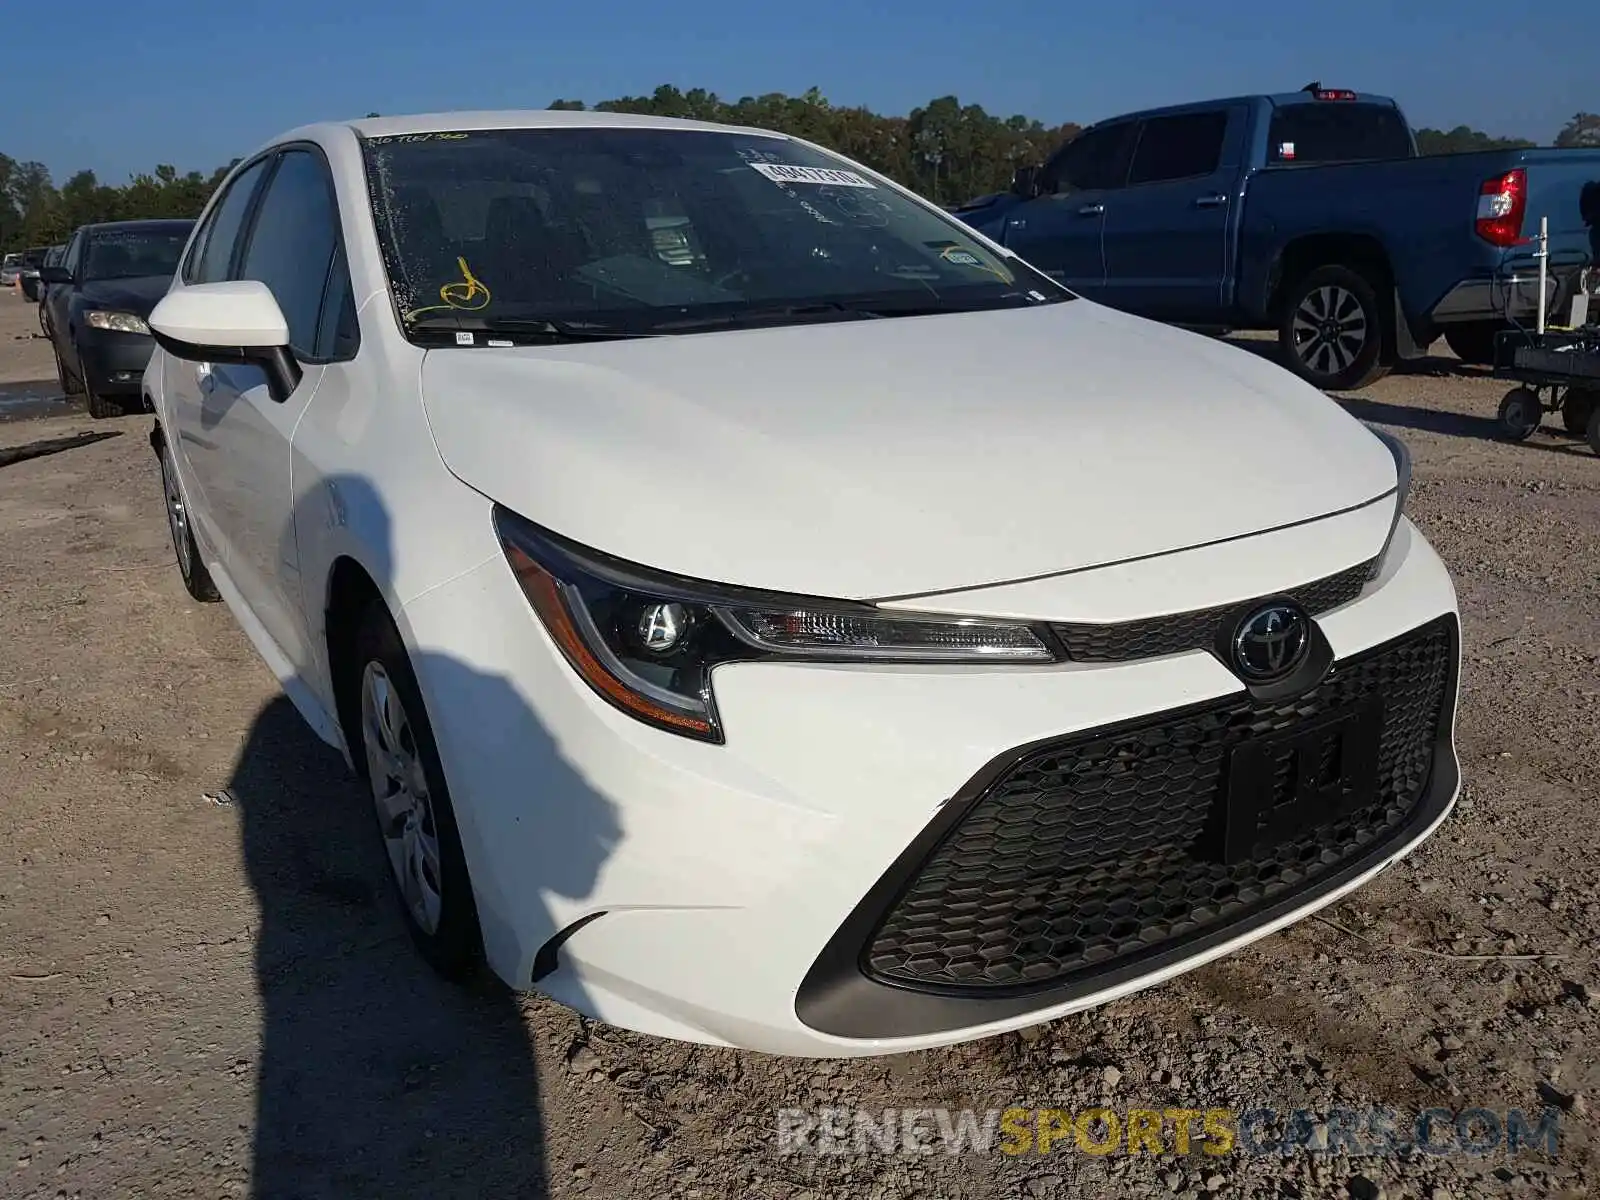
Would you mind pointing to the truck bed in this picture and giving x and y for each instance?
(1421, 212)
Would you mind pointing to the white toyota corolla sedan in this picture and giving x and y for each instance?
(767, 613)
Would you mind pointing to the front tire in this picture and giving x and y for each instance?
(400, 762)
(1332, 331)
(196, 579)
(101, 408)
(70, 386)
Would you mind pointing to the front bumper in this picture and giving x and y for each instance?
(689, 890)
(113, 363)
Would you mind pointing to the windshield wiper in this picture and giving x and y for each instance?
(773, 315)
(823, 310)
(542, 329)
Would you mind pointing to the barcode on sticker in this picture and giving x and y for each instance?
(784, 173)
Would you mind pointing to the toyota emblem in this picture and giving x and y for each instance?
(1271, 642)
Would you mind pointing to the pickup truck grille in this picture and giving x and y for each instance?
(1198, 628)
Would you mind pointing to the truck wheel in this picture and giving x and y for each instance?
(1576, 407)
(1520, 414)
(1332, 331)
(1473, 341)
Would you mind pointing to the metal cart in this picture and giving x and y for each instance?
(1556, 372)
(1556, 369)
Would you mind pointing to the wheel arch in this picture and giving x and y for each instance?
(349, 592)
(1363, 253)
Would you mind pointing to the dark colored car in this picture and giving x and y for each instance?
(32, 260)
(1309, 213)
(98, 297)
(52, 258)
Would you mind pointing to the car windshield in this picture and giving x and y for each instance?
(598, 232)
(130, 253)
(12, 260)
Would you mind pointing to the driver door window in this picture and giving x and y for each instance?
(1092, 162)
(1060, 231)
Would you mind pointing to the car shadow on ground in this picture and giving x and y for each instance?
(1454, 424)
(376, 1077)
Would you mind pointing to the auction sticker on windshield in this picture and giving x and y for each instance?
(785, 173)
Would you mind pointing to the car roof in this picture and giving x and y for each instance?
(173, 223)
(524, 118)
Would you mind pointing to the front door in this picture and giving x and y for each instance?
(1059, 231)
(289, 246)
(1166, 237)
(188, 388)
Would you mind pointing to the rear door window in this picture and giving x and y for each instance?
(1336, 131)
(1183, 146)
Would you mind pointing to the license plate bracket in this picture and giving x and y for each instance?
(1281, 785)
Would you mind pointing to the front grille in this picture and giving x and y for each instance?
(1196, 629)
(1091, 853)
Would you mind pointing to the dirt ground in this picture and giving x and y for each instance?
(205, 989)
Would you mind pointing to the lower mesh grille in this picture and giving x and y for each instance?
(1097, 851)
(1196, 629)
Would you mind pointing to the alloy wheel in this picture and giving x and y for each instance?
(400, 794)
(1330, 329)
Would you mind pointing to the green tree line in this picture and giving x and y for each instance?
(946, 150)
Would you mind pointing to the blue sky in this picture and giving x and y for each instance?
(120, 87)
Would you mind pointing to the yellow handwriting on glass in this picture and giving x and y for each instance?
(467, 294)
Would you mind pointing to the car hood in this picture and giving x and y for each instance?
(894, 457)
(138, 295)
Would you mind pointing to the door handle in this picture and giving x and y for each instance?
(1092, 210)
(1215, 200)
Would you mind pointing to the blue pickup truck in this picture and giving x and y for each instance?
(1309, 213)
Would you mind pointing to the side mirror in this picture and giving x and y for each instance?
(237, 322)
(1025, 182)
(54, 275)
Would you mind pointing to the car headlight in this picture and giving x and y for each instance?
(648, 641)
(120, 322)
(1402, 487)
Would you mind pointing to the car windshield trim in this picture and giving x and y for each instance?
(620, 231)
